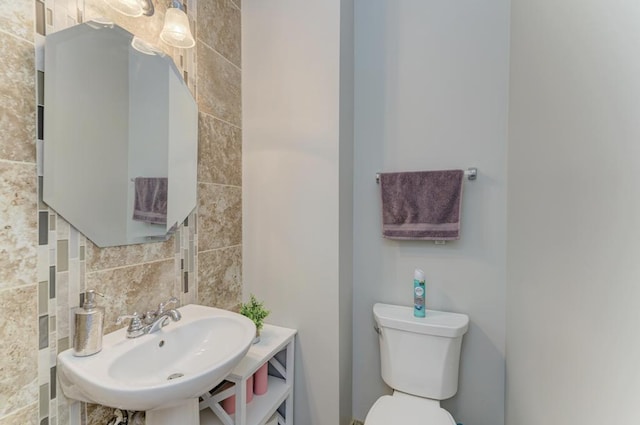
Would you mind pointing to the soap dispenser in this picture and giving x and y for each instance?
(89, 321)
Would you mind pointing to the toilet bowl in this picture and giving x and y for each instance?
(419, 359)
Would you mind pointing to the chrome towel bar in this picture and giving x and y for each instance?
(471, 173)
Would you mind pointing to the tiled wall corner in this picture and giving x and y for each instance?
(219, 222)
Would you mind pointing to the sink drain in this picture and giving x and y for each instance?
(175, 376)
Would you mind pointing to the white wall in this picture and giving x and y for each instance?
(294, 194)
(574, 203)
(431, 93)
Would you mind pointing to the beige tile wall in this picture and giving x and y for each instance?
(45, 263)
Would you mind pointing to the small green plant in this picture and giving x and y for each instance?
(255, 311)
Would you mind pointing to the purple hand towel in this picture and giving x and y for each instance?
(422, 205)
(150, 204)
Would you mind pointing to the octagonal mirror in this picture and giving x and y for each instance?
(120, 136)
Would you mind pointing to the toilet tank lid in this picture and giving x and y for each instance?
(439, 323)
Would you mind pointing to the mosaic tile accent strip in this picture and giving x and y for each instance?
(52, 282)
(40, 116)
(52, 383)
(41, 26)
(189, 261)
(43, 332)
(44, 400)
(63, 255)
(40, 87)
(43, 227)
(43, 297)
(41, 204)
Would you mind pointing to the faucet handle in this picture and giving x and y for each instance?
(161, 306)
(135, 320)
(136, 328)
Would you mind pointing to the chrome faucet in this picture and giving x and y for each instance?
(151, 321)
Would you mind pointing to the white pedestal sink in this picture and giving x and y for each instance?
(162, 373)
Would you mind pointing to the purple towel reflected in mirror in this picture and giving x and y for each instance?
(150, 204)
(422, 205)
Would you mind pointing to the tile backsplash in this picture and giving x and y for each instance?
(46, 264)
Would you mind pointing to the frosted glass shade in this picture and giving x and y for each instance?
(176, 31)
(126, 7)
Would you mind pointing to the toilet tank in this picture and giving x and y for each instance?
(420, 356)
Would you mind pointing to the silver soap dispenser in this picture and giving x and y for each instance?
(89, 322)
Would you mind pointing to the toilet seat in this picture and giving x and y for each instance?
(407, 409)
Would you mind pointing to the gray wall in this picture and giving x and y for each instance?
(574, 203)
(346, 208)
(297, 199)
(431, 93)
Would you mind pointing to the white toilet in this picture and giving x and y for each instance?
(419, 360)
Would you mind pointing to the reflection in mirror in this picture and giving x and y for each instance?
(120, 148)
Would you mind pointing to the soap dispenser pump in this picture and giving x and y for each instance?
(89, 322)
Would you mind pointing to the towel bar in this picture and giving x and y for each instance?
(471, 173)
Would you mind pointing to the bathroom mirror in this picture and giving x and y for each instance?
(120, 136)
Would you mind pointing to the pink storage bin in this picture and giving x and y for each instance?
(229, 403)
(261, 380)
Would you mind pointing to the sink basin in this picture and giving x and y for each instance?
(156, 371)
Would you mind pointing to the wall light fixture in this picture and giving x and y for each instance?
(176, 31)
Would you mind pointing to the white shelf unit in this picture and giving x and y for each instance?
(273, 340)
